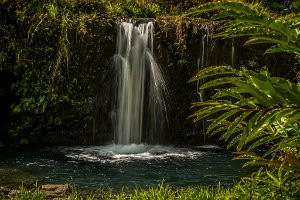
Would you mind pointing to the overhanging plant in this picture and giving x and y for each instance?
(252, 109)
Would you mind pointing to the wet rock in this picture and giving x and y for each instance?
(55, 190)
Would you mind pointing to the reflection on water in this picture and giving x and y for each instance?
(118, 166)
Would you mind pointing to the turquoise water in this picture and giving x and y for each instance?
(120, 166)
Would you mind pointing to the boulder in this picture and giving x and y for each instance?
(55, 190)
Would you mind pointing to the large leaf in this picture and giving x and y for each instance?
(248, 20)
(213, 71)
(266, 120)
(234, 125)
(264, 84)
(248, 128)
(204, 112)
(261, 97)
(221, 81)
(220, 119)
(234, 92)
(282, 28)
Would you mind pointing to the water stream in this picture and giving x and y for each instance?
(141, 108)
(202, 62)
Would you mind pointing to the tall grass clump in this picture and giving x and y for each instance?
(24, 193)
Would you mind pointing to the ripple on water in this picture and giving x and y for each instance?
(118, 166)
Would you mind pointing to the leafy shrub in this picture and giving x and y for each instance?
(255, 111)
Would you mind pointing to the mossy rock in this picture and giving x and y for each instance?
(12, 176)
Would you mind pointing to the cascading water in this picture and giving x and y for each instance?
(140, 106)
(202, 62)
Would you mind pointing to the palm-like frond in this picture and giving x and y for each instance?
(252, 20)
(253, 109)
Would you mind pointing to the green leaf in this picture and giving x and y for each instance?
(254, 19)
(213, 71)
(289, 90)
(231, 92)
(272, 176)
(265, 39)
(263, 83)
(220, 81)
(201, 9)
(204, 112)
(224, 14)
(261, 98)
(234, 125)
(267, 119)
(267, 138)
(287, 48)
(294, 117)
(247, 130)
(294, 161)
(237, 7)
(216, 131)
(282, 28)
(233, 141)
(220, 119)
(210, 103)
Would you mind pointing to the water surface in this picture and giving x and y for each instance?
(119, 166)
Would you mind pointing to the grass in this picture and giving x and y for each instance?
(241, 190)
(159, 192)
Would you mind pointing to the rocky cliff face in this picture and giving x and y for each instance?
(181, 49)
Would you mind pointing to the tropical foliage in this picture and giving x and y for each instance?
(254, 112)
(45, 65)
(253, 20)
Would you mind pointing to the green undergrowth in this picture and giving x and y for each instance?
(258, 186)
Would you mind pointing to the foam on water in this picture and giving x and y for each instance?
(118, 153)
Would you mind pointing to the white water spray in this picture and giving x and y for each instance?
(141, 108)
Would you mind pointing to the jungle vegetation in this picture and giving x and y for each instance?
(255, 112)
(45, 65)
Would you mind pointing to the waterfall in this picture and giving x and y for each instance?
(140, 113)
(202, 62)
